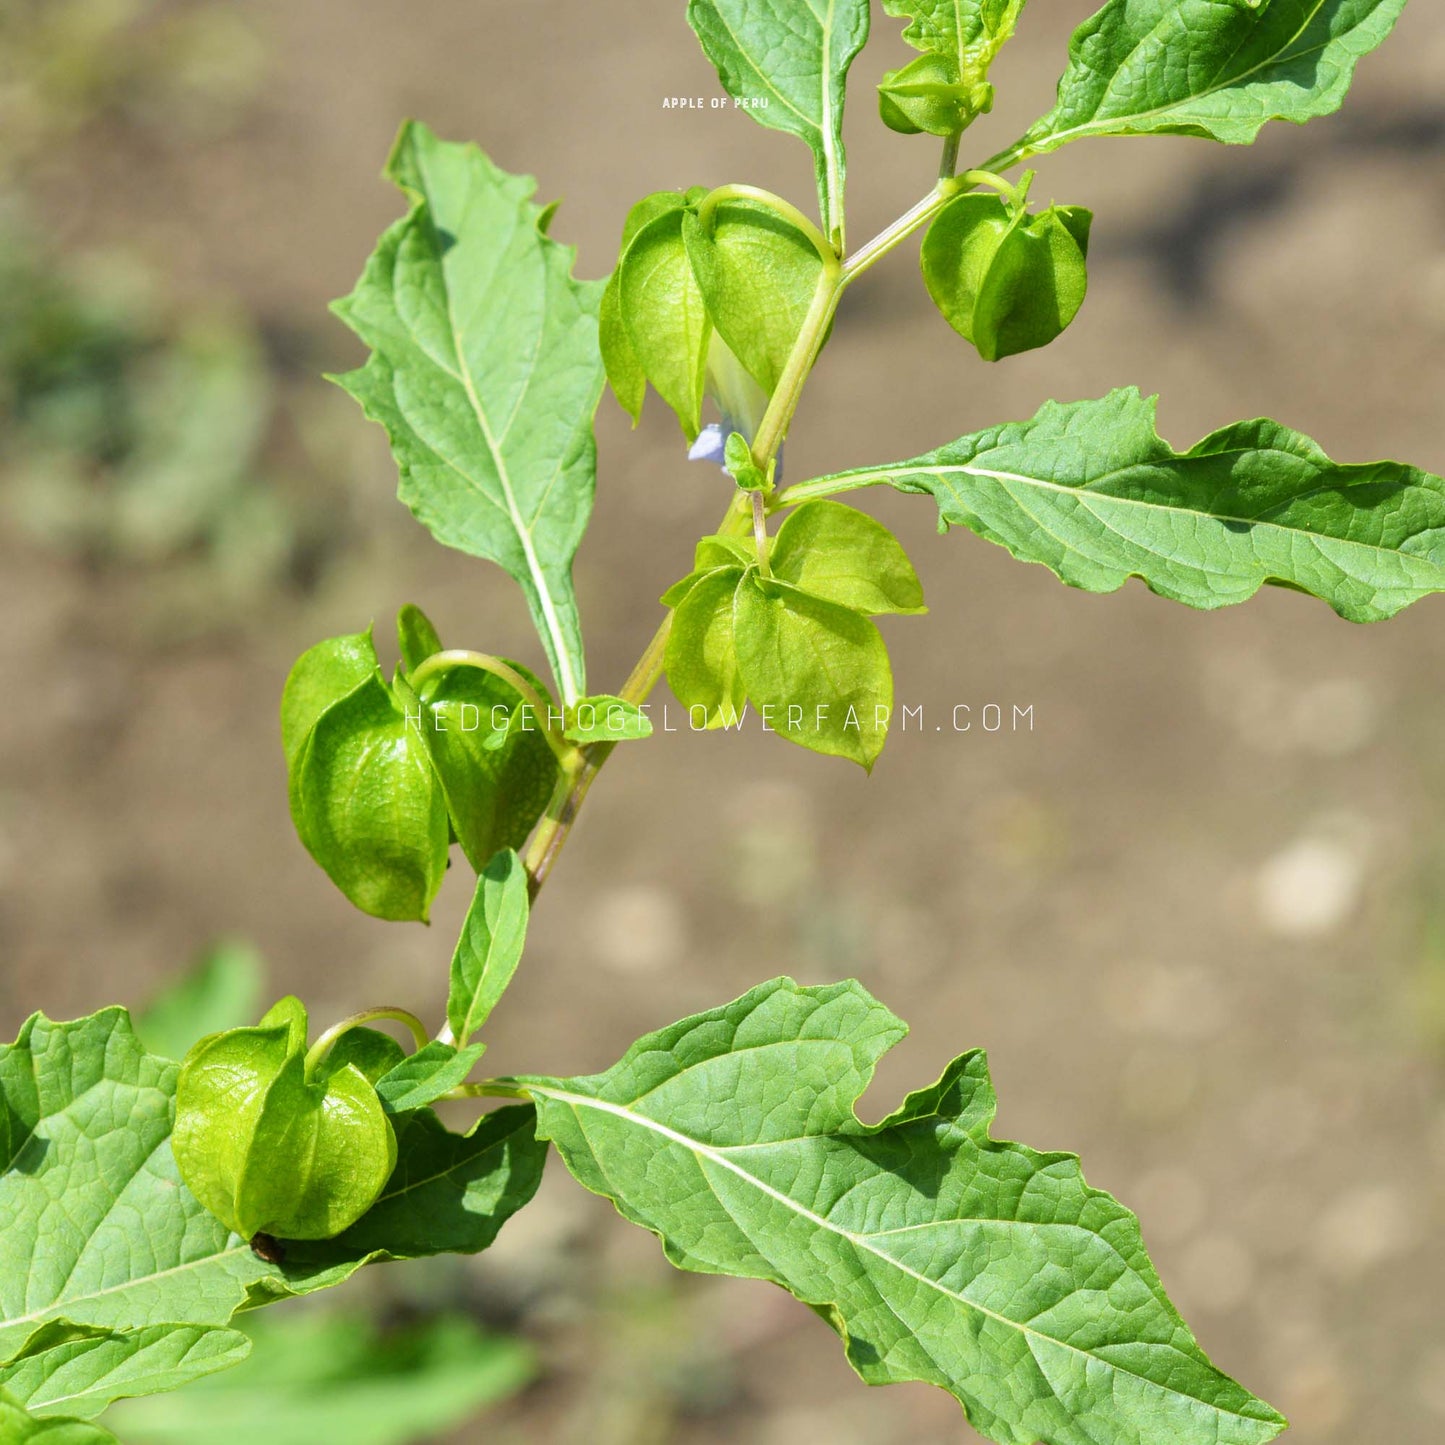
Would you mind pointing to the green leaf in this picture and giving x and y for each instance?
(1215, 68)
(946, 88)
(724, 551)
(758, 274)
(490, 946)
(450, 1193)
(19, 1427)
(85, 1124)
(936, 1252)
(817, 672)
(1092, 492)
(787, 64)
(845, 556)
(485, 372)
(321, 677)
(701, 658)
(416, 637)
(1008, 282)
(368, 806)
(741, 466)
(606, 718)
(489, 752)
(665, 318)
(77, 1370)
(425, 1076)
(332, 1376)
(222, 990)
(270, 1148)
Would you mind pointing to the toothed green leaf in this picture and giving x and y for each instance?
(78, 1370)
(1216, 68)
(787, 62)
(936, 1252)
(1091, 491)
(485, 371)
(101, 1231)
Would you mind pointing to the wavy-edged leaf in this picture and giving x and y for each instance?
(936, 1252)
(450, 1193)
(964, 30)
(485, 372)
(1221, 69)
(1091, 491)
(787, 62)
(85, 1118)
(77, 1370)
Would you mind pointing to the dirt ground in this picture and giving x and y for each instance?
(1188, 910)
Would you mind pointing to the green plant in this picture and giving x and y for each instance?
(937, 1252)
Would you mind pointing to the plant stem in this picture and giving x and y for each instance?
(578, 775)
(784, 400)
(924, 211)
(949, 164)
(760, 532)
(489, 1089)
(572, 788)
(318, 1051)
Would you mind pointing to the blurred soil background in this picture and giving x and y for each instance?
(1194, 912)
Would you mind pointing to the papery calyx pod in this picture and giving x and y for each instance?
(364, 796)
(653, 325)
(928, 95)
(946, 89)
(1005, 279)
(710, 293)
(272, 1148)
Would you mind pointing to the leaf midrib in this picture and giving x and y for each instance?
(890, 476)
(61, 1306)
(824, 125)
(566, 679)
(95, 1386)
(1242, 79)
(862, 1242)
